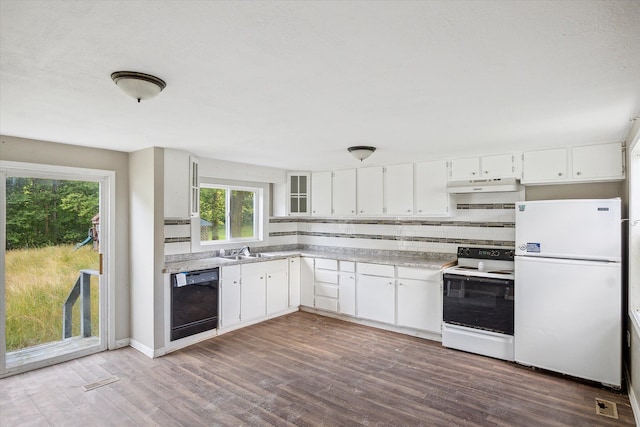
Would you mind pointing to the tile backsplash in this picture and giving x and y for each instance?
(486, 219)
(481, 220)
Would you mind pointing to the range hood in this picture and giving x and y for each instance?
(483, 186)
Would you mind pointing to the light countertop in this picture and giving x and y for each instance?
(429, 261)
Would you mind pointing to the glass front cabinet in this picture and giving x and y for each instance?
(298, 193)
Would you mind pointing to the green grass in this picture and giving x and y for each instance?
(37, 283)
(207, 234)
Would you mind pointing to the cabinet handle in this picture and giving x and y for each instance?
(261, 278)
(578, 173)
(400, 284)
(473, 173)
(269, 277)
(409, 210)
(559, 173)
(486, 172)
(420, 210)
(361, 211)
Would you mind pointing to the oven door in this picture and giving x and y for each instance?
(478, 302)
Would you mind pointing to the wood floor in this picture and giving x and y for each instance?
(306, 370)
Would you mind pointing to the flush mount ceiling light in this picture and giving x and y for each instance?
(138, 85)
(361, 152)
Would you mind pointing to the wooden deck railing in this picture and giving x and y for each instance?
(81, 289)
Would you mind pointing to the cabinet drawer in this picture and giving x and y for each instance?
(327, 264)
(348, 266)
(419, 273)
(327, 276)
(376, 269)
(328, 304)
(326, 290)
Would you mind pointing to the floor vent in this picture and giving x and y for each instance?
(110, 380)
(606, 408)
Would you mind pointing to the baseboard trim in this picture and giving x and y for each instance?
(121, 343)
(147, 351)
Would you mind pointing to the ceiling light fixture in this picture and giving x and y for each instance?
(138, 85)
(361, 152)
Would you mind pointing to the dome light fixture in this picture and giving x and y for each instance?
(361, 152)
(138, 85)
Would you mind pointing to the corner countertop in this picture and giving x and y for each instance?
(433, 261)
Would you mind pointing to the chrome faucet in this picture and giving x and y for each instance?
(245, 251)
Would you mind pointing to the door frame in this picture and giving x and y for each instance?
(107, 182)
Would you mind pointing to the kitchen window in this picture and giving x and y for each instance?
(229, 213)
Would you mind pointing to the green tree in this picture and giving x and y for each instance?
(44, 212)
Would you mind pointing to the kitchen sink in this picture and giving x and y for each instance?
(241, 256)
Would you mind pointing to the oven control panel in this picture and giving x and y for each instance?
(486, 253)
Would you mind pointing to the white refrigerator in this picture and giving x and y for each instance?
(568, 288)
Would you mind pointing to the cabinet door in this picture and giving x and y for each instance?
(376, 298)
(545, 166)
(347, 294)
(176, 184)
(298, 193)
(321, 193)
(294, 282)
(277, 291)
(595, 162)
(432, 198)
(398, 190)
(306, 282)
(466, 168)
(419, 304)
(252, 295)
(229, 296)
(498, 166)
(344, 192)
(370, 190)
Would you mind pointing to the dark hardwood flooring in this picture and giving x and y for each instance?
(306, 370)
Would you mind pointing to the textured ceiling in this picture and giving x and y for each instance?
(293, 84)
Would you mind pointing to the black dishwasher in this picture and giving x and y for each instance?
(194, 302)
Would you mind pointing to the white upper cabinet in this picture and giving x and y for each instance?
(344, 192)
(497, 166)
(321, 193)
(398, 191)
(431, 194)
(465, 168)
(370, 191)
(545, 166)
(177, 185)
(598, 162)
(586, 163)
(298, 193)
(485, 167)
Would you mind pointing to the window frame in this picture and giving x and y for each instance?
(260, 192)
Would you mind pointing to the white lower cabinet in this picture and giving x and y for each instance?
(229, 296)
(347, 288)
(264, 290)
(420, 299)
(294, 282)
(306, 282)
(326, 284)
(376, 292)
(253, 296)
(277, 287)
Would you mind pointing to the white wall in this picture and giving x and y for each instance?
(147, 249)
